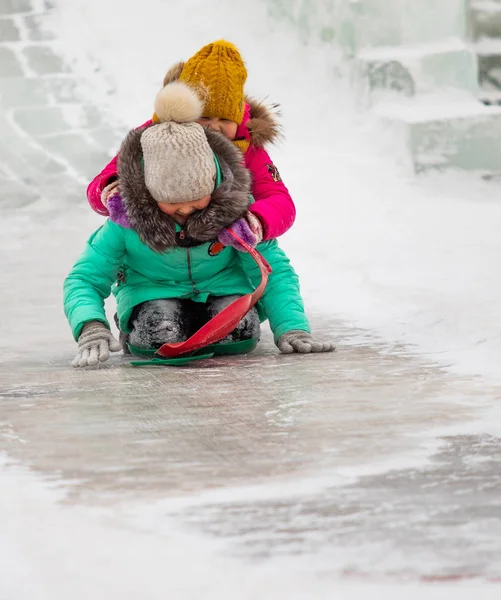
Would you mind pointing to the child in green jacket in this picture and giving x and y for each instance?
(159, 252)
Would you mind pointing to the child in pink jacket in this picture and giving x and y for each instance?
(218, 74)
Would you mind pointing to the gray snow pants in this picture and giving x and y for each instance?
(165, 321)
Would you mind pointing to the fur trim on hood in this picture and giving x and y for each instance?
(264, 127)
(174, 73)
(157, 230)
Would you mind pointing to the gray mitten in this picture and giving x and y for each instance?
(302, 342)
(94, 345)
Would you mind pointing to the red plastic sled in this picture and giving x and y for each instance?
(224, 322)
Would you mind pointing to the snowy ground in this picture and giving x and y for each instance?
(379, 464)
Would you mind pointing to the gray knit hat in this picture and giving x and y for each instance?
(179, 164)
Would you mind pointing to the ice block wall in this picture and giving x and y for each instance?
(413, 64)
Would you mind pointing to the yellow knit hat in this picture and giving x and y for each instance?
(219, 72)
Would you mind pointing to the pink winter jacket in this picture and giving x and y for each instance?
(273, 204)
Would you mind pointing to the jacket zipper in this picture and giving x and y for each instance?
(188, 257)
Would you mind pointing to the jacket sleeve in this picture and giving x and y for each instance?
(282, 302)
(273, 204)
(92, 276)
(97, 185)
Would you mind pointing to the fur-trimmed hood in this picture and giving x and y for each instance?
(260, 119)
(157, 230)
(263, 125)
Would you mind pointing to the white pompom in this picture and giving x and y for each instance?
(179, 103)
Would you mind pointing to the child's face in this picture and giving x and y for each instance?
(180, 211)
(227, 128)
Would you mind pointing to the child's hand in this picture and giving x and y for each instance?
(302, 342)
(94, 345)
(109, 191)
(248, 228)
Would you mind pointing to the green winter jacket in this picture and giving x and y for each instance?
(116, 260)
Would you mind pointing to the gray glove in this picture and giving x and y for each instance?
(94, 345)
(302, 342)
